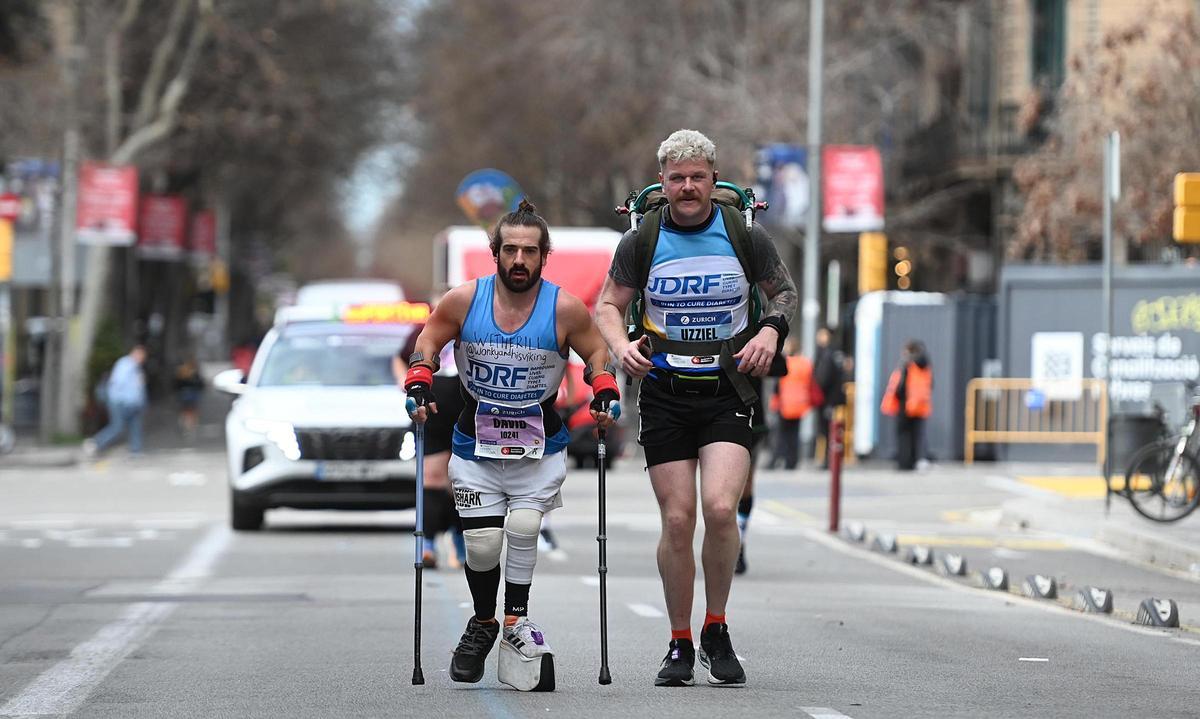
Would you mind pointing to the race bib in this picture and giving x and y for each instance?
(509, 432)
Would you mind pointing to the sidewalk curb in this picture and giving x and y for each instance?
(41, 457)
(1143, 544)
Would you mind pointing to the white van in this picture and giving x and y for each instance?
(334, 293)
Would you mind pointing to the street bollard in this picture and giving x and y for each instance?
(834, 450)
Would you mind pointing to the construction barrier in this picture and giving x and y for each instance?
(1009, 410)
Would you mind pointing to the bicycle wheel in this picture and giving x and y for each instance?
(1158, 487)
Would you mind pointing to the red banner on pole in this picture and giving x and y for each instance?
(203, 240)
(852, 188)
(107, 210)
(163, 227)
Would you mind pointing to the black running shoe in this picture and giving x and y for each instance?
(677, 666)
(717, 655)
(741, 562)
(470, 656)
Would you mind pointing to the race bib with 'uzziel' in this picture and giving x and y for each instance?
(509, 432)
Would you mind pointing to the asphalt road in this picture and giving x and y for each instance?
(123, 594)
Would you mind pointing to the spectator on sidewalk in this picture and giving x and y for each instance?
(791, 401)
(909, 398)
(125, 394)
(189, 387)
(828, 387)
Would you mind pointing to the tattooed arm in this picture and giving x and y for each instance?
(771, 275)
(774, 279)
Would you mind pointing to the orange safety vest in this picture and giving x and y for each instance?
(918, 393)
(795, 388)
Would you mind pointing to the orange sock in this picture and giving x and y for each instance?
(710, 618)
(510, 619)
(681, 634)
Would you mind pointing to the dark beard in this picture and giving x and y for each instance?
(519, 286)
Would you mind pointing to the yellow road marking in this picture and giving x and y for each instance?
(1073, 487)
(776, 506)
(932, 540)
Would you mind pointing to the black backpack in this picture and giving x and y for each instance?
(737, 206)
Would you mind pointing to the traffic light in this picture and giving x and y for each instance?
(903, 268)
(872, 262)
(1187, 207)
(6, 250)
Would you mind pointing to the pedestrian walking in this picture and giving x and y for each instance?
(125, 395)
(909, 398)
(829, 390)
(513, 332)
(189, 388)
(792, 401)
(697, 347)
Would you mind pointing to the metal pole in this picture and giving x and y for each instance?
(1112, 191)
(810, 308)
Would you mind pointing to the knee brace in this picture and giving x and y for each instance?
(522, 530)
(483, 547)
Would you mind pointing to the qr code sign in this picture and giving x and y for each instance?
(1058, 364)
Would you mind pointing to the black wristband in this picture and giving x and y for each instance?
(418, 358)
(777, 322)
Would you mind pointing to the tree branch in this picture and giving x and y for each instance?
(168, 108)
(158, 64)
(112, 73)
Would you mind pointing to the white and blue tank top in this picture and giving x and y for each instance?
(696, 292)
(511, 380)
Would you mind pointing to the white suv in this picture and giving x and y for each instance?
(319, 423)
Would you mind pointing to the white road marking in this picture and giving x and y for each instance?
(62, 688)
(823, 713)
(187, 479)
(645, 610)
(1033, 659)
(590, 580)
(88, 542)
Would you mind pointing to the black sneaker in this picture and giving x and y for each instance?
(717, 655)
(470, 656)
(677, 666)
(741, 562)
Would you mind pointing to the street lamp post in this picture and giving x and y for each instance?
(810, 308)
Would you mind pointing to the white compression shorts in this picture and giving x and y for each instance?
(492, 487)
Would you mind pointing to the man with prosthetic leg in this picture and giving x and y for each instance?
(513, 332)
(698, 348)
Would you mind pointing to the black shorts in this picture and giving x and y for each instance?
(439, 429)
(680, 415)
(758, 422)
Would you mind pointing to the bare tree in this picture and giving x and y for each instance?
(1143, 81)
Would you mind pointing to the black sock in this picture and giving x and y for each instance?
(483, 591)
(438, 505)
(745, 504)
(516, 599)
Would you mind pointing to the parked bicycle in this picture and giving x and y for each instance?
(1162, 479)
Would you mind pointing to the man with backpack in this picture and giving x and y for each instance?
(696, 266)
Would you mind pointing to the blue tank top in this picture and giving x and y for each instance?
(696, 292)
(511, 380)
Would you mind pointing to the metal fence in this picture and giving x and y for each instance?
(1019, 411)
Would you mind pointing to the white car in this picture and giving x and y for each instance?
(320, 423)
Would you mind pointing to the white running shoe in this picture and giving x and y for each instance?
(527, 639)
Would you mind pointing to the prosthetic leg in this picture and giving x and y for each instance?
(526, 673)
(526, 659)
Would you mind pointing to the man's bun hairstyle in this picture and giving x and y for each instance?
(526, 215)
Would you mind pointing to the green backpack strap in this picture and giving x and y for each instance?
(647, 242)
(743, 247)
